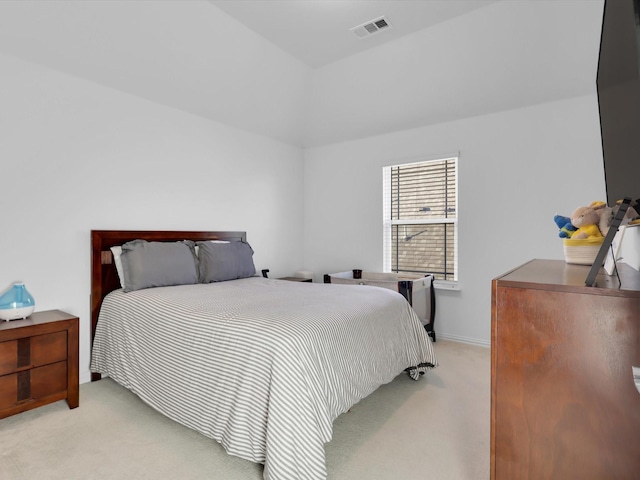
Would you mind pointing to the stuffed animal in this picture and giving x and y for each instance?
(606, 215)
(586, 220)
(631, 217)
(564, 225)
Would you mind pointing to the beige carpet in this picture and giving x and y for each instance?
(437, 427)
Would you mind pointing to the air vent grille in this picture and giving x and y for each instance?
(381, 23)
(371, 27)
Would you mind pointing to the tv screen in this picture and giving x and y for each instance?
(618, 86)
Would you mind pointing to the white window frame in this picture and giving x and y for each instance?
(388, 222)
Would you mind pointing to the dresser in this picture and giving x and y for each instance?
(564, 404)
(38, 361)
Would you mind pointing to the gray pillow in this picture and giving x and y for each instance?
(158, 264)
(218, 262)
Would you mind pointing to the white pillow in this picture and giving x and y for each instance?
(117, 251)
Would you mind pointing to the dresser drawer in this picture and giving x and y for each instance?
(24, 353)
(35, 384)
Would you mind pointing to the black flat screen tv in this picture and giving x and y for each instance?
(618, 87)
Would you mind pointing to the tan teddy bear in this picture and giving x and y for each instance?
(586, 220)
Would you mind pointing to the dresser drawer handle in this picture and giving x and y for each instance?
(636, 377)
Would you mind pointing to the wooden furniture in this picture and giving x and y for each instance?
(563, 399)
(38, 361)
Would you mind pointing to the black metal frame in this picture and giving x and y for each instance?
(606, 244)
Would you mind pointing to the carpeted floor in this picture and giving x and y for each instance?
(437, 427)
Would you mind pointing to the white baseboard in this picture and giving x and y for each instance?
(458, 338)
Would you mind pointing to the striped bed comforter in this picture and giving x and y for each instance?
(262, 366)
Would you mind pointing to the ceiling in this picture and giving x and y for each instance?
(317, 32)
(313, 82)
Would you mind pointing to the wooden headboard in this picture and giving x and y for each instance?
(104, 277)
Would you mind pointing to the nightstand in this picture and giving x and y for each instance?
(38, 361)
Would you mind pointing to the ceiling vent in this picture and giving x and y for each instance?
(371, 27)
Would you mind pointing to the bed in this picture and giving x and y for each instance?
(262, 366)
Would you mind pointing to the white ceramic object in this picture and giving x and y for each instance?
(15, 313)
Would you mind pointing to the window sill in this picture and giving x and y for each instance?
(445, 285)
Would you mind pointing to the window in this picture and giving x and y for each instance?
(421, 218)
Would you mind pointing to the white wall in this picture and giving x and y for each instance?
(78, 156)
(516, 170)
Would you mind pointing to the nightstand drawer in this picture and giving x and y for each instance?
(24, 353)
(8, 391)
(29, 385)
(8, 357)
(50, 348)
(49, 380)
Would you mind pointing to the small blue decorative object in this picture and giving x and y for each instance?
(16, 303)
